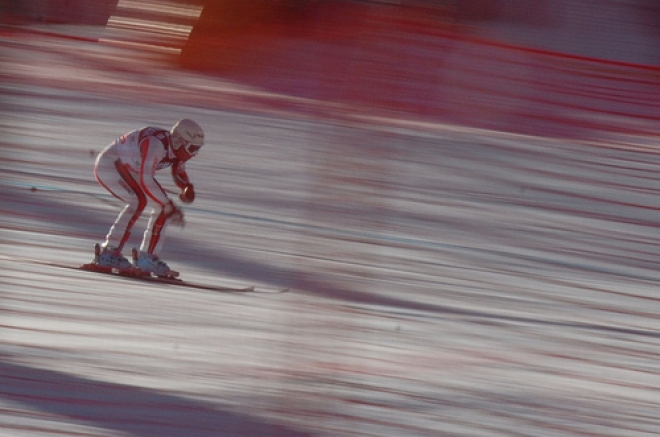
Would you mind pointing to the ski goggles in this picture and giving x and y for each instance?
(179, 142)
(192, 149)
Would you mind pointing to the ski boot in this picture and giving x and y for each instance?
(109, 260)
(148, 264)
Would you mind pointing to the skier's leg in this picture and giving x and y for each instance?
(146, 259)
(117, 179)
(155, 233)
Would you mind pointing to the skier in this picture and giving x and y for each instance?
(126, 168)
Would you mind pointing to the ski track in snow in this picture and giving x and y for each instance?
(445, 282)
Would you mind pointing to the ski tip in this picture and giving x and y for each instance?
(269, 290)
(167, 278)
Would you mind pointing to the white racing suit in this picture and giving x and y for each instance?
(127, 168)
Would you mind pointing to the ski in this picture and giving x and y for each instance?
(170, 280)
(138, 276)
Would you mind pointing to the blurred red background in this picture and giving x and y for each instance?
(558, 68)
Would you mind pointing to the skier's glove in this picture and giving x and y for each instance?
(187, 194)
(173, 214)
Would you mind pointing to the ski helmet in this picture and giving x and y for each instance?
(188, 134)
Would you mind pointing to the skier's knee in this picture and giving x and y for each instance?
(135, 209)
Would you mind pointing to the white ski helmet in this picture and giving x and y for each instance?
(188, 134)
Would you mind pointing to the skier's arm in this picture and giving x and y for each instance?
(182, 181)
(179, 175)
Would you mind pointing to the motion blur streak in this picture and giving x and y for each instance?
(152, 25)
(462, 196)
(175, 10)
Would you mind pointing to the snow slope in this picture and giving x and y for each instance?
(446, 281)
